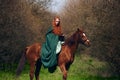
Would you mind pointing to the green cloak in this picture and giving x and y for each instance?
(48, 51)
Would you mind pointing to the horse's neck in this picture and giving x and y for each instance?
(72, 42)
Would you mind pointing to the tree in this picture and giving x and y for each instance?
(20, 26)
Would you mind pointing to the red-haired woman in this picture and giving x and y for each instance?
(52, 45)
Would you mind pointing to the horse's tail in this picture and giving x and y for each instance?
(21, 63)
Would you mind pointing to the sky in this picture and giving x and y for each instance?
(57, 5)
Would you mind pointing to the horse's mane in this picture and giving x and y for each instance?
(71, 40)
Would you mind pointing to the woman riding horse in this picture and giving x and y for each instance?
(65, 57)
(48, 51)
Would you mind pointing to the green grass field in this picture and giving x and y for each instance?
(83, 68)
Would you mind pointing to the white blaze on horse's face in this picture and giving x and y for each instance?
(57, 21)
(84, 37)
(84, 34)
(86, 41)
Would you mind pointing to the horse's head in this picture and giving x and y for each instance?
(82, 38)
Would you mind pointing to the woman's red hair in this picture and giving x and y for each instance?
(56, 29)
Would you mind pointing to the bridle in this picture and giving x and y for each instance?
(81, 38)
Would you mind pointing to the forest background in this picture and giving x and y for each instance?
(24, 22)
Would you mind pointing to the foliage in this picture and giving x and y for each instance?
(20, 26)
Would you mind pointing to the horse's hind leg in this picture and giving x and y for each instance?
(38, 67)
(32, 68)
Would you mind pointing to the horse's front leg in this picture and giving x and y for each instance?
(64, 71)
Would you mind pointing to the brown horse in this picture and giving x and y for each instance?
(65, 57)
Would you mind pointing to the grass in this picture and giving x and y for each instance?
(83, 68)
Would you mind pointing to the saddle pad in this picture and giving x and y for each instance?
(59, 46)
